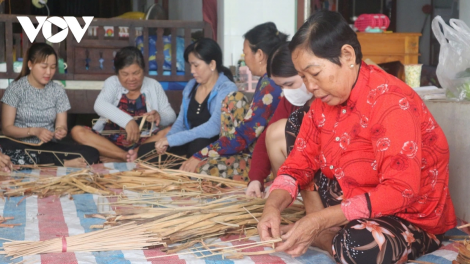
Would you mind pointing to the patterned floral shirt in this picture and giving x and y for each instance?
(265, 100)
(384, 147)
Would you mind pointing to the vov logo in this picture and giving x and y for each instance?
(46, 25)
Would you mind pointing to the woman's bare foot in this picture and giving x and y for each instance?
(132, 155)
(75, 163)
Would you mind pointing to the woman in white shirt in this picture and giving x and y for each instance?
(126, 97)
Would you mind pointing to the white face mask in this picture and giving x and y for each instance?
(299, 96)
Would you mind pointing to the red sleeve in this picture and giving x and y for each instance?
(260, 158)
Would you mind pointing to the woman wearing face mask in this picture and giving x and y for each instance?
(382, 157)
(34, 112)
(280, 132)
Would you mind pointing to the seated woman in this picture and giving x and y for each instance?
(198, 123)
(125, 99)
(290, 111)
(382, 156)
(34, 111)
(230, 155)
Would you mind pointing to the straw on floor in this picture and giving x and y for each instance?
(144, 227)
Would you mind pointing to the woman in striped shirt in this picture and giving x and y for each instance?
(34, 114)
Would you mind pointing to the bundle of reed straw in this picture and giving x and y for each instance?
(74, 183)
(464, 252)
(146, 179)
(146, 227)
(153, 179)
(125, 237)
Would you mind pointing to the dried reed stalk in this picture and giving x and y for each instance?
(4, 219)
(464, 252)
(22, 142)
(170, 161)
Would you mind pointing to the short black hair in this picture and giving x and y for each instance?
(265, 37)
(208, 50)
(128, 56)
(325, 33)
(280, 62)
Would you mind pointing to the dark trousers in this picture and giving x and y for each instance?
(386, 239)
(90, 154)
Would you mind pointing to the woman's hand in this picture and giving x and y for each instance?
(5, 163)
(161, 145)
(269, 225)
(153, 116)
(133, 133)
(254, 189)
(43, 134)
(190, 165)
(297, 240)
(60, 133)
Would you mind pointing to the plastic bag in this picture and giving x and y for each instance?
(453, 70)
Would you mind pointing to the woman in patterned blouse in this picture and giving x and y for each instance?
(384, 160)
(230, 155)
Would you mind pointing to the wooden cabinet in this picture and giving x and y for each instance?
(389, 47)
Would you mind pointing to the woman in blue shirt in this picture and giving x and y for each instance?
(198, 123)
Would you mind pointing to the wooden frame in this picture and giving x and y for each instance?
(98, 45)
(300, 13)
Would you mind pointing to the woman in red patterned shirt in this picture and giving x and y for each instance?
(382, 156)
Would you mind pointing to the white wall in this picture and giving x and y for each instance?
(239, 16)
(410, 18)
(189, 10)
(465, 11)
(454, 120)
